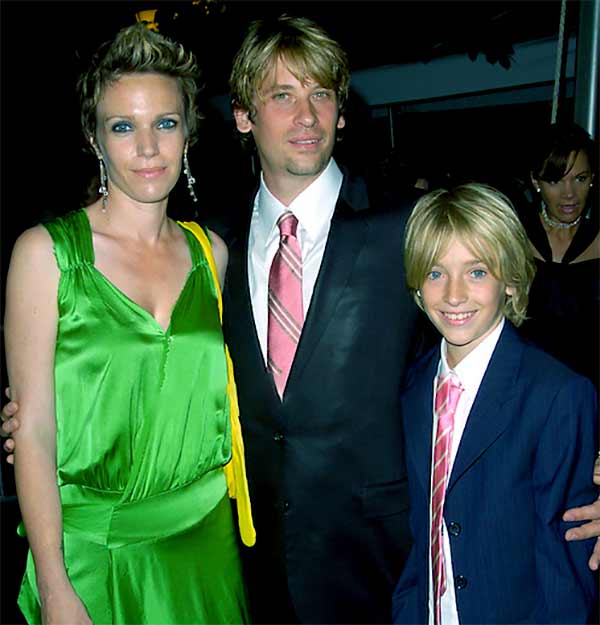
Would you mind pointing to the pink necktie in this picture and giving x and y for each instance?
(448, 392)
(285, 302)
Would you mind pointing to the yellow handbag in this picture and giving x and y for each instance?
(235, 469)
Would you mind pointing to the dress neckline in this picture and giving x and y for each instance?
(584, 236)
(89, 242)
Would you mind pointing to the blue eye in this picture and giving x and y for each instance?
(322, 95)
(434, 274)
(121, 127)
(479, 273)
(167, 124)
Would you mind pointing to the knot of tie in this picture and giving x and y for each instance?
(287, 224)
(448, 392)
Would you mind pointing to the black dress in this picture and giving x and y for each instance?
(564, 302)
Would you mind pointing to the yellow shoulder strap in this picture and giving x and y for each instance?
(235, 469)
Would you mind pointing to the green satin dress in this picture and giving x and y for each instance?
(142, 435)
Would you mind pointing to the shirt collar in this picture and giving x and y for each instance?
(313, 207)
(471, 369)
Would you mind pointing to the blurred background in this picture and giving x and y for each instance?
(442, 91)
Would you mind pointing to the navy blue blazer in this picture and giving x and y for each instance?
(526, 455)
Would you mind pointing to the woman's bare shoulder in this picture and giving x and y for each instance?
(35, 243)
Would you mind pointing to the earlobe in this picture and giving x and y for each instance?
(341, 122)
(242, 120)
(509, 290)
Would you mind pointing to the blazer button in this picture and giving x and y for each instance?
(454, 528)
(278, 437)
(460, 582)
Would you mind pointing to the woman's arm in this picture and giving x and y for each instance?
(221, 255)
(30, 336)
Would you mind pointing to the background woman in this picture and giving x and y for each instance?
(563, 228)
(116, 357)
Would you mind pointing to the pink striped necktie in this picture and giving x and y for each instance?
(285, 302)
(448, 392)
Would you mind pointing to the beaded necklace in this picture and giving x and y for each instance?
(558, 224)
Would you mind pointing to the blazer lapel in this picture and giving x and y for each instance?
(417, 412)
(487, 419)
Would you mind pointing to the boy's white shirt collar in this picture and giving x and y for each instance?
(471, 369)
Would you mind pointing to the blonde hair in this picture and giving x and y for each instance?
(302, 45)
(486, 222)
(137, 49)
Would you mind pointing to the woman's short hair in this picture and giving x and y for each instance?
(137, 49)
(485, 222)
(303, 46)
(551, 150)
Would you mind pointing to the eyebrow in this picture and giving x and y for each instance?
(162, 114)
(277, 87)
(286, 87)
(471, 263)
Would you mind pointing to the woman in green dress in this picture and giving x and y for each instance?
(116, 356)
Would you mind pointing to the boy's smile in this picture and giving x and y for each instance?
(463, 300)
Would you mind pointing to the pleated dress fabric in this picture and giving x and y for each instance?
(142, 435)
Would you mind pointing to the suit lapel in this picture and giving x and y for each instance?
(487, 419)
(242, 334)
(347, 235)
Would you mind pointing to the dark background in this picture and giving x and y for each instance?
(43, 170)
(45, 43)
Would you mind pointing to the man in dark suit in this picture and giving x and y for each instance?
(325, 466)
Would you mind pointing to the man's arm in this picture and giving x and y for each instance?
(589, 513)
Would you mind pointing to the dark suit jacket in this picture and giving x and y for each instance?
(526, 455)
(325, 465)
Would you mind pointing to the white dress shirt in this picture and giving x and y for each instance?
(470, 371)
(314, 209)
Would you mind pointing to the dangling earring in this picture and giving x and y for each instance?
(103, 189)
(538, 190)
(188, 174)
(418, 292)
